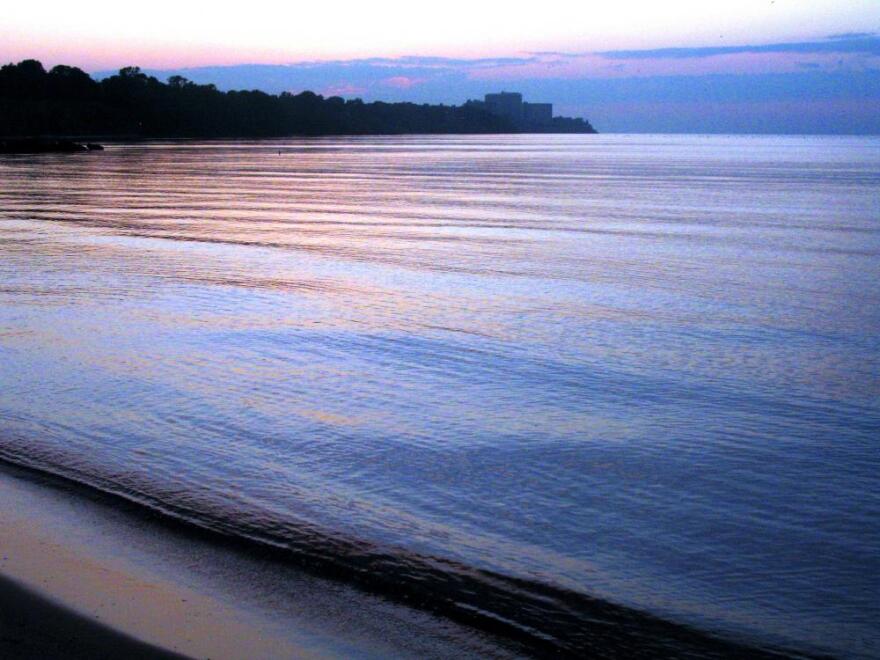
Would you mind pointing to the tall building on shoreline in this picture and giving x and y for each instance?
(525, 117)
(510, 105)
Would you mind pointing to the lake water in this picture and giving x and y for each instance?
(533, 378)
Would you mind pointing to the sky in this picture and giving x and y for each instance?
(628, 65)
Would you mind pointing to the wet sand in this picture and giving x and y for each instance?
(84, 576)
(72, 576)
(32, 626)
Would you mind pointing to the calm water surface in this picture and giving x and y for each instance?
(644, 369)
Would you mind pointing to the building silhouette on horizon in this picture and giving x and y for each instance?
(521, 114)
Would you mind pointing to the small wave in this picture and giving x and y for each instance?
(547, 620)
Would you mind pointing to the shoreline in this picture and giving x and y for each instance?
(28, 146)
(33, 626)
(172, 588)
(140, 587)
(71, 564)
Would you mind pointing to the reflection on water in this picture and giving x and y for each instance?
(640, 368)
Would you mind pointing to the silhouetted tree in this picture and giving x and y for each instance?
(67, 101)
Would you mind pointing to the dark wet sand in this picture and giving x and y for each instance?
(87, 576)
(32, 626)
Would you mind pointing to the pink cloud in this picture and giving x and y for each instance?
(596, 65)
(402, 82)
(343, 89)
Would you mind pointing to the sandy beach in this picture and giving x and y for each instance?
(80, 577)
(32, 626)
(70, 573)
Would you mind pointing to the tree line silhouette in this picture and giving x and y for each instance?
(66, 101)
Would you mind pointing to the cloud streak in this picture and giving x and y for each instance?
(841, 43)
(834, 81)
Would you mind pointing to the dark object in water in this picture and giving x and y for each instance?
(40, 146)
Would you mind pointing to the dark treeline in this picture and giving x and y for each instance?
(66, 101)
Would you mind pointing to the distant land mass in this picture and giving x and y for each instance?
(66, 101)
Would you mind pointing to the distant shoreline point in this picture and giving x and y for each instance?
(66, 101)
(46, 146)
